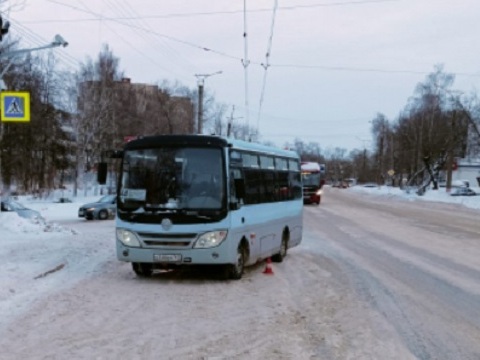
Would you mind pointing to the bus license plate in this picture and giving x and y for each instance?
(167, 257)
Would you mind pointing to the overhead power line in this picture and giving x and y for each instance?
(212, 13)
(292, 66)
(178, 61)
(357, 69)
(131, 26)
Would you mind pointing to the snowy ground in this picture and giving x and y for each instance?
(32, 251)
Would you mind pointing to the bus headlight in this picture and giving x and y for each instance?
(210, 239)
(128, 238)
(319, 192)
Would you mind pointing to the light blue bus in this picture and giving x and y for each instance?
(187, 200)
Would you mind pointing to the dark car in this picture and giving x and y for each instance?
(463, 191)
(102, 209)
(22, 211)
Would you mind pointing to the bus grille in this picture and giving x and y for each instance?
(168, 240)
(309, 191)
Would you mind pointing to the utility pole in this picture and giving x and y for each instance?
(201, 80)
(200, 107)
(450, 154)
(230, 121)
(363, 177)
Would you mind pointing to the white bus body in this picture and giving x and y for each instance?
(206, 200)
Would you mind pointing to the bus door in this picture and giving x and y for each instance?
(242, 220)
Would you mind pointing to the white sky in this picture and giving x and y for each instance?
(31, 250)
(347, 60)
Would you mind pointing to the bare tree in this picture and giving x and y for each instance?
(96, 105)
(431, 129)
(36, 150)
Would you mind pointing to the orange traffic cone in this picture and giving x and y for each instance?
(268, 268)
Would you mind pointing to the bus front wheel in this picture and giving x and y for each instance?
(235, 271)
(142, 269)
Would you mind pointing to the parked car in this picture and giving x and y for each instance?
(460, 183)
(463, 191)
(21, 210)
(102, 209)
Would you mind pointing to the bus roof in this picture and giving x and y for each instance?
(310, 166)
(206, 140)
(247, 145)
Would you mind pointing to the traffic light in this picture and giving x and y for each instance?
(3, 27)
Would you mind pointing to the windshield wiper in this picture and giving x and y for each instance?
(197, 214)
(162, 209)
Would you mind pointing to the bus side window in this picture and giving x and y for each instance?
(240, 188)
(237, 186)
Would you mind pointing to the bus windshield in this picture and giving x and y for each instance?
(172, 179)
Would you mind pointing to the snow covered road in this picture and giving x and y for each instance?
(374, 278)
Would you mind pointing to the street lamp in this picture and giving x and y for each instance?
(201, 80)
(57, 41)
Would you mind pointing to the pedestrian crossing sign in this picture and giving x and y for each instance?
(15, 106)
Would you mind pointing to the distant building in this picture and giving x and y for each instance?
(467, 169)
(121, 108)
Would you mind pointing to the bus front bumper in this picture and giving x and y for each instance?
(175, 257)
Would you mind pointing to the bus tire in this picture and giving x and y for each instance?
(142, 269)
(235, 271)
(283, 249)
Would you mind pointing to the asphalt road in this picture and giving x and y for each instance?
(413, 266)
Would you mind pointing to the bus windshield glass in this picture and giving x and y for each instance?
(172, 179)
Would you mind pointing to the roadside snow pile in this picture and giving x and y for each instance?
(440, 195)
(13, 223)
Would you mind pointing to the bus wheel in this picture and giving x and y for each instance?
(236, 270)
(142, 269)
(283, 249)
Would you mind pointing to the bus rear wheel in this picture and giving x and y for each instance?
(283, 249)
(142, 269)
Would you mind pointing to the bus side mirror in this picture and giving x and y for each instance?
(102, 173)
(235, 205)
(239, 188)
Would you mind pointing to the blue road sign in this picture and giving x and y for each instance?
(15, 106)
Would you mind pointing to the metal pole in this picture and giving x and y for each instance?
(200, 107)
(201, 80)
